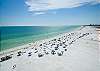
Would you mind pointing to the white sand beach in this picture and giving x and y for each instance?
(78, 50)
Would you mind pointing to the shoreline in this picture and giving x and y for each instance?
(36, 43)
(15, 49)
(77, 49)
(15, 39)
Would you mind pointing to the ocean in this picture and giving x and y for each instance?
(13, 36)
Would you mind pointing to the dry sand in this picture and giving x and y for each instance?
(81, 55)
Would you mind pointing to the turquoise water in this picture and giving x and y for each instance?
(12, 36)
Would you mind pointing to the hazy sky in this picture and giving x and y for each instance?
(49, 12)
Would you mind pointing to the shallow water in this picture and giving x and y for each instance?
(12, 36)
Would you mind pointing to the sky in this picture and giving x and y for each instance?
(49, 12)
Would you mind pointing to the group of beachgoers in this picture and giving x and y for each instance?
(55, 46)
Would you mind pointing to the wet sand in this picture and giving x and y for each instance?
(73, 51)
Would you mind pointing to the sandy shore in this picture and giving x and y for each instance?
(73, 51)
(98, 30)
(16, 49)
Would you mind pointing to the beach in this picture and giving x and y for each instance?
(77, 50)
